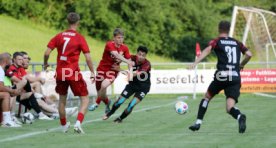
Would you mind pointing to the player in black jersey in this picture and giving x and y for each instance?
(227, 76)
(139, 85)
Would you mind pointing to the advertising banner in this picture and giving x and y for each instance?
(182, 81)
(179, 81)
(172, 81)
(260, 80)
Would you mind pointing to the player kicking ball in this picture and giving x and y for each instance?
(139, 84)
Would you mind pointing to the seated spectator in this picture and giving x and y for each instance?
(6, 92)
(47, 105)
(17, 75)
(8, 83)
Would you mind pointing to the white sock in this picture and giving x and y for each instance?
(6, 116)
(77, 123)
(40, 114)
(198, 121)
(239, 117)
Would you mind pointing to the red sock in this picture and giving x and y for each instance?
(106, 100)
(62, 121)
(98, 100)
(80, 117)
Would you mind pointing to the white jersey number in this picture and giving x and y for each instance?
(65, 44)
(64, 58)
(231, 54)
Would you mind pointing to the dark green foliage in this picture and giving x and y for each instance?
(168, 27)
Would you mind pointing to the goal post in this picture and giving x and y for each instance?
(256, 29)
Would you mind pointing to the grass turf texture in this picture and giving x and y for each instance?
(154, 123)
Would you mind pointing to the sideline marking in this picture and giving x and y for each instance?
(265, 95)
(58, 128)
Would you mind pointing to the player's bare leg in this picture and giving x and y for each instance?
(62, 114)
(36, 86)
(82, 111)
(6, 114)
(236, 114)
(46, 107)
(102, 96)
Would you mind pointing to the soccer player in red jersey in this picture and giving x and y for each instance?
(114, 53)
(69, 45)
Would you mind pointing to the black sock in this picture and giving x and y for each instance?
(116, 105)
(113, 109)
(234, 112)
(34, 104)
(202, 109)
(124, 114)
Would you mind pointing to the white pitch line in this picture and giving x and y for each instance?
(265, 95)
(58, 128)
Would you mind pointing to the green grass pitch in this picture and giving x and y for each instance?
(154, 123)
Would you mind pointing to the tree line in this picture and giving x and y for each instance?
(168, 27)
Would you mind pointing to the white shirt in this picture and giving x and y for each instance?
(2, 74)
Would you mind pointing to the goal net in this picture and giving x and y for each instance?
(256, 28)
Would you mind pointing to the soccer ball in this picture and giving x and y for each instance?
(28, 118)
(181, 107)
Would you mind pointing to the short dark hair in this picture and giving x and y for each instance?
(24, 53)
(118, 31)
(143, 49)
(73, 18)
(224, 26)
(16, 54)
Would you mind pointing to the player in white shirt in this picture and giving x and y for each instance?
(6, 92)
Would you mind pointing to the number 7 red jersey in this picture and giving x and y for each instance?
(69, 45)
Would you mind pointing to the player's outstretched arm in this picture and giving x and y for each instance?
(120, 57)
(46, 57)
(204, 54)
(130, 64)
(247, 57)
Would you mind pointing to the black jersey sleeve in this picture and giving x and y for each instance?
(242, 47)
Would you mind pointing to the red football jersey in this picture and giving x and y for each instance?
(69, 44)
(108, 59)
(18, 72)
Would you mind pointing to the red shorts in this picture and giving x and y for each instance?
(79, 88)
(102, 75)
